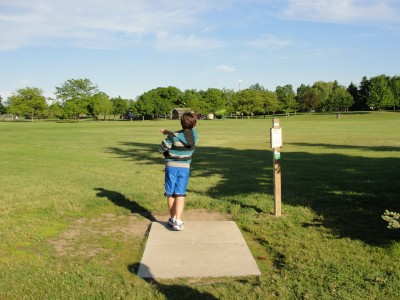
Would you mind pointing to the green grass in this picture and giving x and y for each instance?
(76, 201)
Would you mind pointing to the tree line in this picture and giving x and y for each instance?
(76, 98)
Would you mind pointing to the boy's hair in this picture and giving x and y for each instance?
(188, 120)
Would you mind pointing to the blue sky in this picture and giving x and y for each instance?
(128, 47)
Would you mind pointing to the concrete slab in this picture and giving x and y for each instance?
(203, 249)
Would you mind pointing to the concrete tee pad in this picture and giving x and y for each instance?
(203, 249)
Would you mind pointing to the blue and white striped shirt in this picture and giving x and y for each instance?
(178, 147)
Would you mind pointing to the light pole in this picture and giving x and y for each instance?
(239, 81)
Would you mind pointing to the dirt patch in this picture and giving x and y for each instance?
(86, 235)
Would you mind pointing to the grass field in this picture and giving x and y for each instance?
(77, 199)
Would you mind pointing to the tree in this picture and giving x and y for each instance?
(28, 101)
(353, 91)
(100, 104)
(308, 98)
(339, 98)
(159, 101)
(56, 110)
(75, 95)
(193, 99)
(70, 109)
(269, 102)
(395, 87)
(286, 98)
(324, 89)
(380, 95)
(166, 98)
(144, 106)
(120, 106)
(363, 93)
(213, 100)
(132, 107)
(2, 106)
(230, 100)
(171, 95)
(257, 87)
(250, 101)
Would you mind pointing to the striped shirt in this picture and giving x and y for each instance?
(178, 147)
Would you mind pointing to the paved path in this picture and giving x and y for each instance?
(203, 249)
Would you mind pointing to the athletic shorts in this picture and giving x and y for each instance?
(176, 180)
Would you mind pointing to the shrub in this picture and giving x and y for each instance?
(393, 219)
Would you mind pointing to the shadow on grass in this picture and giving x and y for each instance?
(348, 193)
(120, 200)
(242, 171)
(366, 148)
(172, 291)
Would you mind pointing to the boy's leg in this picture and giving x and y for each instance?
(179, 205)
(180, 190)
(172, 206)
(170, 182)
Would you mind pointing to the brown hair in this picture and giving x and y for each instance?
(188, 120)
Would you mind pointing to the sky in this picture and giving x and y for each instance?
(128, 47)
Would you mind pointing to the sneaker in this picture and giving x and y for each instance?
(171, 222)
(178, 225)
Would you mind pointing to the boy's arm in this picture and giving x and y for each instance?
(189, 137)
(167, 143)
(169, 134)
(165, 146)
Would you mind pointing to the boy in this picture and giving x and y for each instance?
(178, 148)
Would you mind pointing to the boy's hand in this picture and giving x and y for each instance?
(162, 130)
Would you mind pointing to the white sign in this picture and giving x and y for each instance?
(276, 137)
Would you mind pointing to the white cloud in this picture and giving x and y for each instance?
(226, 68)
(343, 11)
(181, 42)
(208, 29)
(367, 35)
(104, 23)
(269, 41)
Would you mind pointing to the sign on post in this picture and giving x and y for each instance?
(276, 137)
(276, 144)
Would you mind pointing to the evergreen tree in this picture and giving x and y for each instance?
(363, 94)
(2, 106)
(353, 91)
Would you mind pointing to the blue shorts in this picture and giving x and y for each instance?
(176, 180)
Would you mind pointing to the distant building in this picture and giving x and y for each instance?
(176, 113)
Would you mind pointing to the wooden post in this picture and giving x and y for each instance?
(276, 144)
(277, 188)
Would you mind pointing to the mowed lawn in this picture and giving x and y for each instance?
(77, 200)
